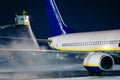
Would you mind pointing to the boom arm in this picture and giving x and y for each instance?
(6, 26)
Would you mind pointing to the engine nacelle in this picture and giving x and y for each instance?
(98, 61)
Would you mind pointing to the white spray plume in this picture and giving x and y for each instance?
(34, 61)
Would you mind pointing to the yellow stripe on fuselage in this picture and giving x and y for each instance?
(88, 49)
(93, 65)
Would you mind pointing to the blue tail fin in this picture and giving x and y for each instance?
(56, 24)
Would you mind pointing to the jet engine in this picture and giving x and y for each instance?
(98, 61)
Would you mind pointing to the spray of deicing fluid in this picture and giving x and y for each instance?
(30, 30)
(24, 21)
(32, 36)
(34, 61)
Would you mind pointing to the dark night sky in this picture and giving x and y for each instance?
(81, 15)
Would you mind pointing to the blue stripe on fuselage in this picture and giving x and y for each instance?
(90, 68)
(119, 45)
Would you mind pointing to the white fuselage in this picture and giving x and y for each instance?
(88, 41)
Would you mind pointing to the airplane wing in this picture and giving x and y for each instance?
(39, 51)
(35, 50)
(28, 50)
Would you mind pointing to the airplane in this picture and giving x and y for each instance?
(100, 44)
(103, 46)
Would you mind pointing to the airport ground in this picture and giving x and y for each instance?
(37, 67)
(65, 75)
